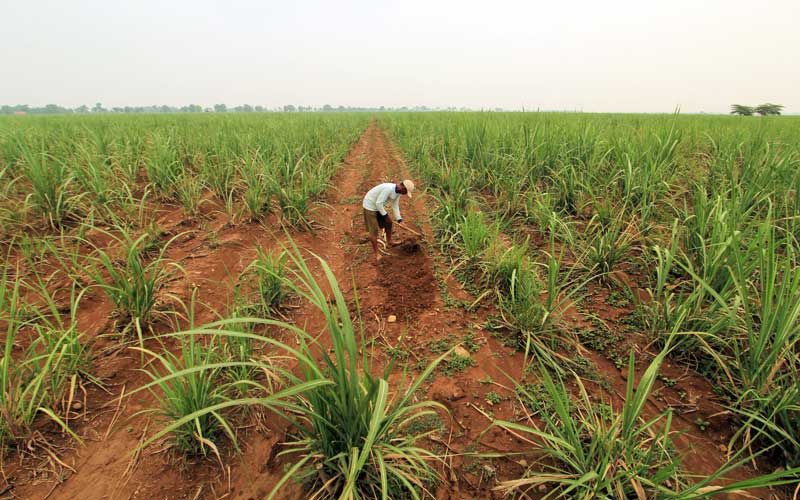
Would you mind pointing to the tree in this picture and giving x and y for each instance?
(98, 108)
(769, 109)
(742, 110)
(53, 109)
(289, 108)
(220, 108)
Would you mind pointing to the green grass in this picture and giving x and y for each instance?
(457, 364)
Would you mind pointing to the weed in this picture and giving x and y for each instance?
(493, 398)
(440, 346)
(457, 364)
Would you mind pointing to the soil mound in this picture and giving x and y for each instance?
(410, 246)
(408, 280)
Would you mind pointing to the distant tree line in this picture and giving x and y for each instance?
(767, 109)
(55, 109)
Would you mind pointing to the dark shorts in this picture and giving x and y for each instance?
(375, 222)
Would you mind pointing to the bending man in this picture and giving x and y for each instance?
(375, 215)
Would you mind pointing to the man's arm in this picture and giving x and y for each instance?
(396, 209)
(383, 197)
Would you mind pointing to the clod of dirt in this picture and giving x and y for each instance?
(445, 390)
(410, 245)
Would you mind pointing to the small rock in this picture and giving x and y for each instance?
(723, 448)
(460, 351)
(77, 405)
(391, 319)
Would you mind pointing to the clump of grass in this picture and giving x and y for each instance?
(295, 204)
(457, 364)
(503, 266)
(132, 281)
(476, 234)
(270, 271)
(607, 246)
(596, 457)
(162, 165)
(189, 191)
(198, 387)
(521, 305)
(259, 185)
(51, 192)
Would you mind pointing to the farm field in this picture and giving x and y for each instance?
(600, 306)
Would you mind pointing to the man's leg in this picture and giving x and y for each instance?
(371, 222)
(385, 223)
(375, 253)
(389, 240)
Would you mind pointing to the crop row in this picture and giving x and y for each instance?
(60, 171)
(698, 212)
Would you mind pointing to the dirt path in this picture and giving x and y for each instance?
(403, 285)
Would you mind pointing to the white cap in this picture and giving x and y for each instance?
(409, 184)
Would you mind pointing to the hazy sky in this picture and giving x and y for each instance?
(642, 55)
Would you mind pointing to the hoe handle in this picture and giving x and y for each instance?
(409, 229)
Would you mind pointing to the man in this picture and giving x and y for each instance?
(375, 215)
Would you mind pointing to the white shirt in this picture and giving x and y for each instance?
(379, 196)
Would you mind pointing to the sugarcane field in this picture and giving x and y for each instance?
(470, 298)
